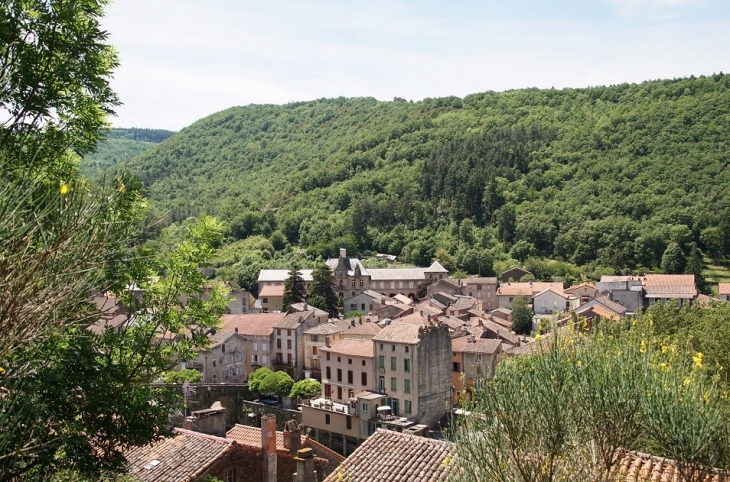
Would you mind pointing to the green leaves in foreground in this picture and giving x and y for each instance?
(569, 411)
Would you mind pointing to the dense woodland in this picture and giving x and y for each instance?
(599, 180)
(119, 145)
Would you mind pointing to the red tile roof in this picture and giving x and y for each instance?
(351, 347)
(479, 345)
(388, 456)
(271, 291)
(364, 329)
(186, 455)
(398, 333)
(252, 324)
(251, 437)
(638, 467)
(670, 286)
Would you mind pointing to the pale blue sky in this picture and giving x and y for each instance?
(185, 59)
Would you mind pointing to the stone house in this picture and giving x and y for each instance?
(660, 288)
(723, 291)
(315, 338)
(225, 361)
(507, 292)
(258, 329)
(549, 302)
(624, 290)
(472, 359)
(288, 352)
(484, 290)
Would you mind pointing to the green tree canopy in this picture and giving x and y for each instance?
(276, 383)
(521, 316)
(294, 289)
(255, 378)
(673, 259)
(307, 388)
(322, 293)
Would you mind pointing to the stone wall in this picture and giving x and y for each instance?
(433, 357)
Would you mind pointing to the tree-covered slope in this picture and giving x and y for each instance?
(605, 176)
(120, 145)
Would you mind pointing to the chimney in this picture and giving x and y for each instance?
(305, 466)
(343, 253)
(352, 322)
(327, 341)
(292, 437)
(188, 425)
(268, 444)
(306, 308)
(472, 339)
(361, 321)
(235, 329)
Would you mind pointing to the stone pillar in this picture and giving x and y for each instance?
(268, 446)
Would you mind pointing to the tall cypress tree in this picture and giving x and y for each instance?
(294, 289)
(694, 266)
(322, 293)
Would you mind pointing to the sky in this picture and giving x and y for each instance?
(182, 60)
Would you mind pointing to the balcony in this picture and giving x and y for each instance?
(278, 362)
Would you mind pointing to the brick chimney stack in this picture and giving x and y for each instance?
(268, 444)
(292, 437)
(305, 466)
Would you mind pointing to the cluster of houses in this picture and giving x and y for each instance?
(387, 375)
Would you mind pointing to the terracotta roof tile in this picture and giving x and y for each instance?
(272, 291)
(183, 456)
(366, 329)
(252, 324)
(398, 333)
(329, 327)
(251, 437)
(670, 286)
(351, 347)
(639, 467)
(390, 456)
(479, 345)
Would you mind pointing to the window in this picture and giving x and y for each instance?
(339, 359)
(278, 343)
(362, 307)
(339, 374)
(353, 306)
(265, 300)
(328, 373)
(363, 363)
(314, 338)
(327, 391)
(339, 393)
(364, 407)
(353, 283)
(364, 378)
(223, 347)
(479, 294)
(381, 361)
(353, 293)
(278, 332)
(229, 476)
(409, 407)
(489, 294)
(263, 347)
(254, 358)
(406, 365)
(393, 363)
(328, 355)
(408, 348)
(288, 332)
(400, 285)
(314, 350)
(381, 384)
(349, 423)
(214, 363)
(456, 367)
(392, 285)
(478, 357)
(382, 285)
(393, 384)
(264, 360)
(255, 347)
(362, 283)
(349, 361)
(410, 285)
(381, 346)
(288, 344)
(392, 347)
(327, 418)
(407, 386)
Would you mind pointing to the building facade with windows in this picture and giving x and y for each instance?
(258, 330)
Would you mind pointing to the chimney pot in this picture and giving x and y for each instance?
(235, 329)
(327, 341)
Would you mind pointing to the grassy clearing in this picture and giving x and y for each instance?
(716, 273)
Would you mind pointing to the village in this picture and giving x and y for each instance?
(396, 371)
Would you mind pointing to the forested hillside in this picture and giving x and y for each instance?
(120, 145)
(608, 179)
